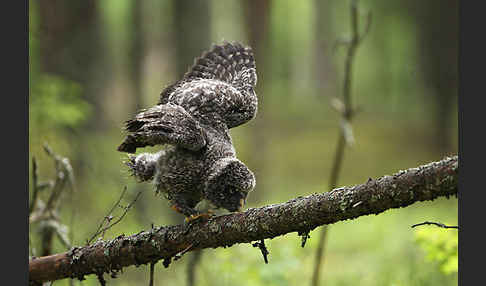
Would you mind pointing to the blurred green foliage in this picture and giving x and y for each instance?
(441, 246)
(56, 103)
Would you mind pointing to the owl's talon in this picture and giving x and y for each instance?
(195, 217)
(176, 208)
(190, 220)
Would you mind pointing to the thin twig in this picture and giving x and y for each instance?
(71, 224)
(152, 266)
(35, 187)
(304, 236)
(367, 27)
(108, 215)
(435, 223)
(263, 249)
(46, 214)
(179, 254)
(31, 247)
(108, 218)
(353, 44)
(192, 266)
(346, 132)
(64, 175)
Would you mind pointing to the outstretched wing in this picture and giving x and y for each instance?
(223, 81)
(163, 124)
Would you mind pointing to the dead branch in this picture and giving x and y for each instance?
(151, 281)
(346, 137)
(108, 218)
(263, 248)
(436, 224)
(45, 214)
(300, 215)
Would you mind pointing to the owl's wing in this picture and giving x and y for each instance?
(163, 124)
(234, 66)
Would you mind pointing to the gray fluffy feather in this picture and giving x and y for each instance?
(193, 116)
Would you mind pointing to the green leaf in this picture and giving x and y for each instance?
(441, 246)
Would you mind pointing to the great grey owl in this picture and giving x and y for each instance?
(193, 117)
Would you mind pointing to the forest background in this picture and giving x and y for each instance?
(94, 64)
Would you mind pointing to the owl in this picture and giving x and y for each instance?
(192, 119)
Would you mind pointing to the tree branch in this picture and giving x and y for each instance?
(301, 215)
(436, 224)
(346, 137)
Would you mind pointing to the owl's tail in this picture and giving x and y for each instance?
(230, 62)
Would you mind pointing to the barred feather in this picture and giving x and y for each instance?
(231, 63)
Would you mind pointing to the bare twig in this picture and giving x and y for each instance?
(191, 267)
(179, 254)
(45, 214)
(35, 188)
(263, 249)
(64, 174)
(108, 218)
(435, 223)
(304, 236)
(367, 26)
(346, 136)
(152, 266)
(31, 247)
(71, 225)
(426, 182)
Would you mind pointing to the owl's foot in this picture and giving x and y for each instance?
(176, 208)
(199, 216)
(192, 214)
(194, 218)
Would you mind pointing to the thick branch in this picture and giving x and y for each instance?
(301, 214)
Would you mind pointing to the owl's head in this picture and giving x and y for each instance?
(229, 183)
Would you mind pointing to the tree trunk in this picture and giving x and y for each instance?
(257, 16)
(437, 28)
(71, 46)
(137, 55)
(192, 33)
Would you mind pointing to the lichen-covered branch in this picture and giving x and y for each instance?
(301, 215)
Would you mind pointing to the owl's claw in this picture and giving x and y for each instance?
(200, 216)
(176, 208)
(190, 220)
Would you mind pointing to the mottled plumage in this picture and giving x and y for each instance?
(193, 116)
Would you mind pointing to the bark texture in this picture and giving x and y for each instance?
(300, 215)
